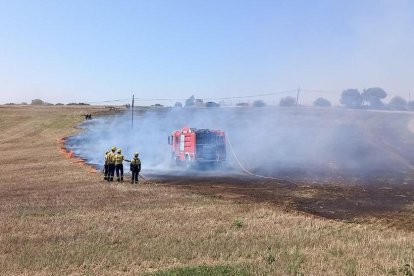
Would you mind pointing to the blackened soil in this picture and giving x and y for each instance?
(392, 205)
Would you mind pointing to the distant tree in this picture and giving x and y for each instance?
(351, 98)
(287, 101)
(59, 104)
(321, 102)
(190, 101)
(259, 103)
(78, 104)
(23, 103)
(242, 104)
(374, 96)
(410, 105)
(157, 105)
(37, 102)
(212, 104)
(398, 103)
(199, 102)
(178, 104)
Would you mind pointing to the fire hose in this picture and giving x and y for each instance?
(139, 175)
(246, 170)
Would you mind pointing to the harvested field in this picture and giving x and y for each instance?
(57, 217)
(390, 205)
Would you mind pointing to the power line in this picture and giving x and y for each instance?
(253, 96)
(108, 101)
(218, 98)
(319, 91)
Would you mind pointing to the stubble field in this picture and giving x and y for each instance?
(56, 217)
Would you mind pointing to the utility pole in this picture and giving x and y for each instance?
(132, 111)
(297, 97)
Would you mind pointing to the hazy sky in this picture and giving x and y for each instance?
(84, 51)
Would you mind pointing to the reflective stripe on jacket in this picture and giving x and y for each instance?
(118, 159)
(135, 165)
(135, 162)
(110, 158)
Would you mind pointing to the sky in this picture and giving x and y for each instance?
(94, 51)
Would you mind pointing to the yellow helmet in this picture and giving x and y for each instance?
(136, 154)
(113, 148)
(119, 150)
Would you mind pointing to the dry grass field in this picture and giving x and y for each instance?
(58, 218)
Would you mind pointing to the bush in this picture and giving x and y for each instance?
(287, 101)
(398, 103)
(238, 223)
(259, 103)
(37, 102)
(322, 102)
(77, 104)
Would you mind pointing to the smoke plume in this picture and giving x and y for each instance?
(280, 142)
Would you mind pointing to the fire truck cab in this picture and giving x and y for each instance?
(190, 146)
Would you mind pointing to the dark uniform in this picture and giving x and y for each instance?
(135, 167)
(119, 167)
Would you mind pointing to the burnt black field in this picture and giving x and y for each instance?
(316, 145)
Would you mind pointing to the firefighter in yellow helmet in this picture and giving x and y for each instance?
(135, 167)
(119, 166)
(111, 164)
(106, 166)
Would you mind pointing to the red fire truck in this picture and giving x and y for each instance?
(200, 147)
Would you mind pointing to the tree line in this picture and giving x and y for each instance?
(372, 98)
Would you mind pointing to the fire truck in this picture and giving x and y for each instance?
(198, 147)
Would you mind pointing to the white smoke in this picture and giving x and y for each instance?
(282, 142)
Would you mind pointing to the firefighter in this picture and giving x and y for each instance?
(106, 170)
(119, 166)
(135, 167)
(111, 164)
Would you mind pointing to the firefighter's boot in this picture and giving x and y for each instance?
(122, 179)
